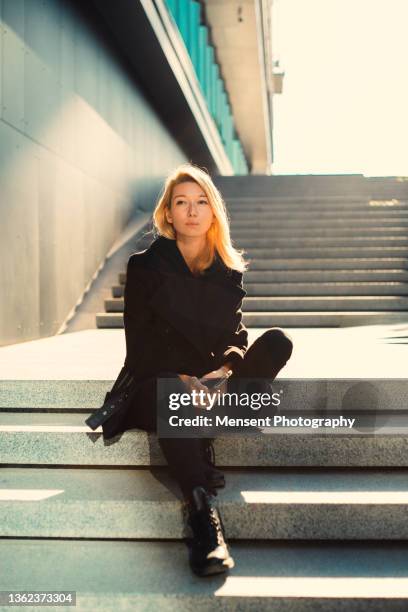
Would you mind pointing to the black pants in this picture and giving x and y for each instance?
(263, 359)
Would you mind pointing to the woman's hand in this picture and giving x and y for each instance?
(222, 372)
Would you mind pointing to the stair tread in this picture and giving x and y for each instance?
(136, 575)
(255, 504)
(64, 439)
(244, 486)
(119, 315)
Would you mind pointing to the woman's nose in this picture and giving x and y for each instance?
(192, 209)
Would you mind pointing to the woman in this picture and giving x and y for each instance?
(183, 319)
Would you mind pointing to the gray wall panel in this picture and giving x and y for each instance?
(42, 20)
(19, 318)
(1, 58)
(13, 63)
(47, 256)
(80, 150)
(67, 49)
(69, 236)
(41, 102)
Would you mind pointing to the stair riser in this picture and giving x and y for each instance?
(295, 303)
(282, 266)
(252, 243)
(307, 289)
(300, 288)
(306, 208)
(329, 199)
(297, 224)
(326, 304)
(74, 399)
(306, 215)
(298, 186)
(325, 252)
(304, 289)
(322, 276)
(322, 319)
(299, 232)
(318, 263)
(292, 319)
(136, 449)
(138, 519)
(319, 576)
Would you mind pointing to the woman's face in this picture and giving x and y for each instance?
(190, 212)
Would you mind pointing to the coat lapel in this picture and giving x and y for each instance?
(200, 308)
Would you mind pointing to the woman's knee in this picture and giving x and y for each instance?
(278, 340)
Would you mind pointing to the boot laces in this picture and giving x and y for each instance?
(208, 525)
(215, 527)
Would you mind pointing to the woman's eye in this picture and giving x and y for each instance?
(184, 202)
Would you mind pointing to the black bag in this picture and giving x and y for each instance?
(118, 398)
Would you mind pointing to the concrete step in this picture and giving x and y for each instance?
(268, 575)
(332, 263)
(326, 252)
(280, 276)
(253, 243)
(327, 303)
(296, 185)
(343, 265)
(337, 232)
(321, 319)
(298, 302)
(40, 439)
(282, 199)
(27, 404)
(269, 504)
(49, 399)
(311, 287)
(44, 395)
(291, 319)
(313, 198)
(306, 214)
(297, 223)
(299, 207)
(326, 289)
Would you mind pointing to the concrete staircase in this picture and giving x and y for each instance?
(317, 258)
(314, 522)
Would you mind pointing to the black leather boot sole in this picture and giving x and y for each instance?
(213, 567)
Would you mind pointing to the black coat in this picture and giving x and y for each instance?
(178, 322)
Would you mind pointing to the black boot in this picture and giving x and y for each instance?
(209, 552)
(215, 477)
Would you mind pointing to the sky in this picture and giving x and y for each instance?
(344, 106)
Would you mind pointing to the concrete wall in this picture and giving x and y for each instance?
(80, 148)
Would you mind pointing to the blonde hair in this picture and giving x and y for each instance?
(218, 235)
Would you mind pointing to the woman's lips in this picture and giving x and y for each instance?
(192, 224)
